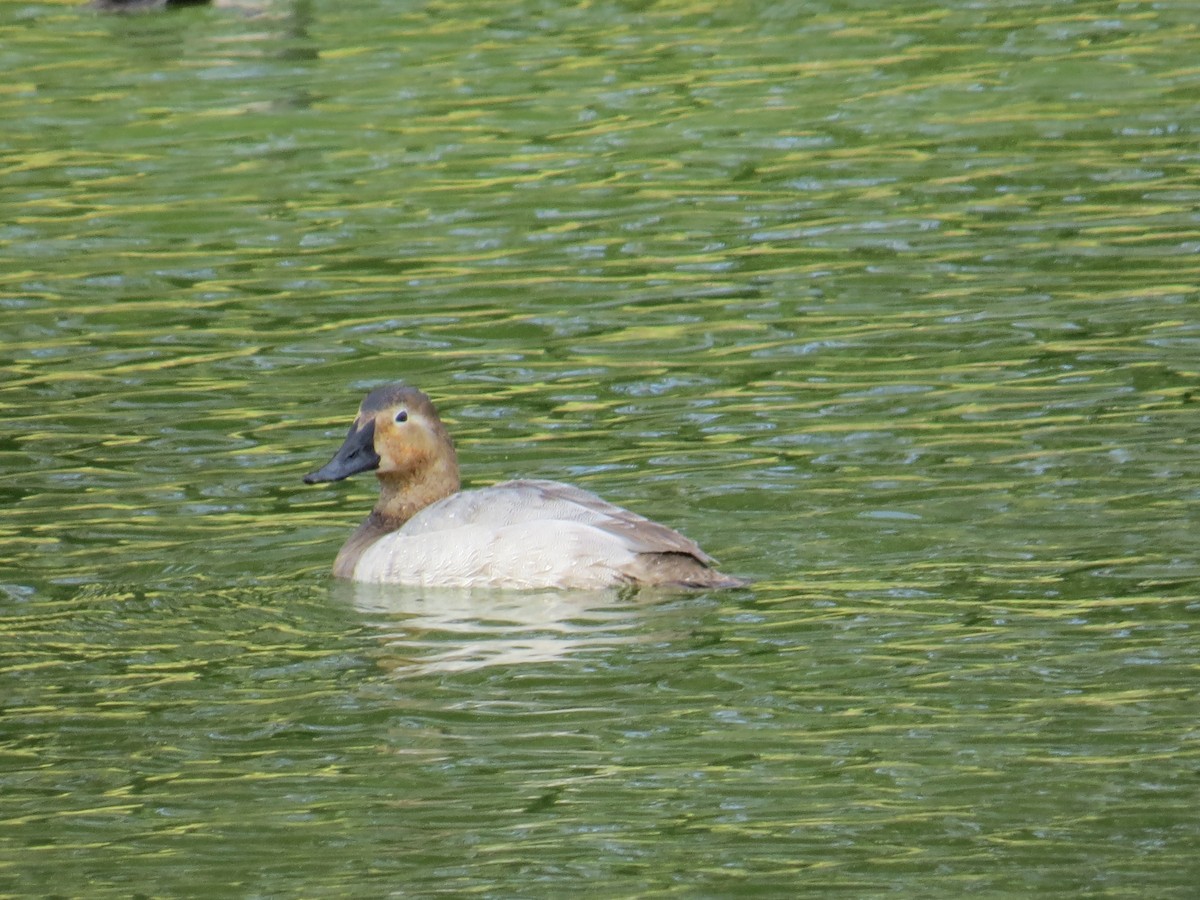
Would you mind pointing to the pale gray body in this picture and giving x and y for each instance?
(531, 534)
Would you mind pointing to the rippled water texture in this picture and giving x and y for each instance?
(892, 307)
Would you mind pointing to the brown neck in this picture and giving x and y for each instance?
(400, 498)
(403, 496)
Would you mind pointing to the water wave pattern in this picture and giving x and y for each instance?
(893, 310)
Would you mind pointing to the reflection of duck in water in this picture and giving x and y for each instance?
(135, 5)
(437, 630)
(518, 534)
(249, 6)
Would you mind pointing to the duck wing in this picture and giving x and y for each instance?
(536, 501)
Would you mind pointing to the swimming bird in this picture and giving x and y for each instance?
(424, 530)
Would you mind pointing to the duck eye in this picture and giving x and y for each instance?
(402, 416)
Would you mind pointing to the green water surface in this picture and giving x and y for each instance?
(892, 306)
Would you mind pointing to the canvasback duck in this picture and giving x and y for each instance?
(518, 534)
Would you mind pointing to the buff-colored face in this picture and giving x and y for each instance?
(396, 432)
(404, 438)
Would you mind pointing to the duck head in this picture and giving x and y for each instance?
(398, 435)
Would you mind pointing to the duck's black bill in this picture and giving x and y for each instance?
(357, 454)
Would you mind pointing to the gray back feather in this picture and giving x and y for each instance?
(529, 500)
